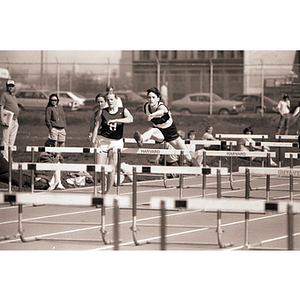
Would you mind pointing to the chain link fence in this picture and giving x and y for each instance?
(223, 79)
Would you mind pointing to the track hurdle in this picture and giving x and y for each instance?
(62, 167)
(156, 151)
(232, 154)
(278, 145)
(227, 206)
(191, 170)
(65, 199)
(9, 151)
(283, 172)
(74, 150)
(151, 142)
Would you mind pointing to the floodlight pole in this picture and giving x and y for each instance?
(211, 87)
(262, 88)
(158, 73)
(57, 75)
(108, 72)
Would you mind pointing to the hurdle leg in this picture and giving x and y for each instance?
(32, 171)
(219, 215)
(204, 176)
(134, 204)
(165, 175)
(102, 225)
(247, 189)
(230, 170)
(291, 180)
(20, 226)
(9, 168)
(290, 227)
(163, 226)
(116, 224)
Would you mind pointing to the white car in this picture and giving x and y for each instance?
(75, 99)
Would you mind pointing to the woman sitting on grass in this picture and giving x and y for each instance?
(243, 147)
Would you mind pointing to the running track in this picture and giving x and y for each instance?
(270, 229)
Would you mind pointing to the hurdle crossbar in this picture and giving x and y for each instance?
(237, 153)
(61, 167)
(293, 155)
(209, 142)
(179, 170)
(286, 137)
(62, 149)
(6, 148)
(240, 136)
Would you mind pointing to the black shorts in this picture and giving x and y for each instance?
(170, 133)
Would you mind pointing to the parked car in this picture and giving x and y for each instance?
(73, 97)
(38, 99)
(199, 103)
(131, 100)
(252, 102)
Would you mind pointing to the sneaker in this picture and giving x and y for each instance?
(273, 163)
(60, 187)
(138, 137)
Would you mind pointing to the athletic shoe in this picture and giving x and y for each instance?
(273, 163)
(138, 137)
(60, 187)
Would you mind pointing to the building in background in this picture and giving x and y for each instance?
(234, 72)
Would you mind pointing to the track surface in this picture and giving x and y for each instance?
(270, 229)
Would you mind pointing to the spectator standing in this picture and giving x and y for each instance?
(56, 121)
(283, 108)
(9, 103)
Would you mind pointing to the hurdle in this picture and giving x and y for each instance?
(278, 145)
(227, 206)
(232, 154)
(191, 170)
(9, 150)
(74, 150)
(65, 199)
(151, 142)
(155, 151)
(61, 167)
(283, 172)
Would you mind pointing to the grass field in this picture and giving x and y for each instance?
(33, 132)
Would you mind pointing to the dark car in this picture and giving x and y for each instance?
(131, 100)
(252, 102)
(199, 103)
